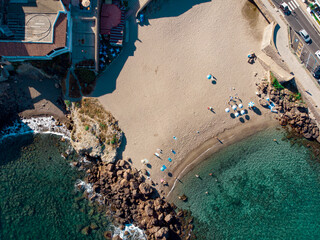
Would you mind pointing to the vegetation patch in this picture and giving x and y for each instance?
(275, 82)
(96, 129)
(87, 80)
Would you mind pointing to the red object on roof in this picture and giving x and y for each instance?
(38, 49)
(110, 17)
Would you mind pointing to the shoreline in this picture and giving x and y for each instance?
(212, 145)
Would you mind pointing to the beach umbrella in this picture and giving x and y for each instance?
(209, 76)
(144, 161)
(240, 105)
(251, 104)
(234, 107)
(85, 3)
(237, 114)
(227, 110)
(163, 168)
(243, 112)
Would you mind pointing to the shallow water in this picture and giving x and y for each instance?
(38, 199)
(260, 189)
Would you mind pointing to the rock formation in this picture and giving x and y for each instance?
(131, 199)
(291, 110)
(95, 131)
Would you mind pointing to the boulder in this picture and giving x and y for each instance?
(110, 167)
(127, 176)
(107, 235)
(162, 233)
(169, 218)
(134, 185)
(148, 210)
(289, 115)
(145, 189)
(121, 163)
(161, 217)
(153, 230)
(124, 183)
(283, 122)
(307, 135)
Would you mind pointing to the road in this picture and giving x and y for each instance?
(298, 20)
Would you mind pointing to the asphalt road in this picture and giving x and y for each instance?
(298, 21)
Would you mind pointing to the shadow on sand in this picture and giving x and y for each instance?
(107, 80)
(173, 8)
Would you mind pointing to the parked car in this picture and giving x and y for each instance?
(317, 53)
(303, 33)
(316, 72)
(285, 8)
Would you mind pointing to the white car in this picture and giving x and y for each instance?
(303, 33)
(317, 53)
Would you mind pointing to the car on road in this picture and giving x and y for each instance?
(285, 8)
(316, 72)
(303, 33)
(317, 53)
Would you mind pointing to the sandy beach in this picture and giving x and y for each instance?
(158, 87)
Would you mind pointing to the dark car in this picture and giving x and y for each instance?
(316, 72)
(285, 8)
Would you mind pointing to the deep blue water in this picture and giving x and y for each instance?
(260, 189)
(38, 199)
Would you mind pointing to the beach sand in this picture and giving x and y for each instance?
(158, 87)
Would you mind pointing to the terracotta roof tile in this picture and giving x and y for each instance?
(38, 49)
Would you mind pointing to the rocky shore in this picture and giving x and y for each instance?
(128, 194)
(131, 198)
(290, 108)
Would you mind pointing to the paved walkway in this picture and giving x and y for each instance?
(303, 79)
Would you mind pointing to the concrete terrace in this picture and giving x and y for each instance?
(85, 34)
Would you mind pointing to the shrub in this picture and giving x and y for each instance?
(297, 96)
(67, 103)
(275, 82)
(86, 127)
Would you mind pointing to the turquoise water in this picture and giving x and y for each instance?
(260, 189)
(38, 199)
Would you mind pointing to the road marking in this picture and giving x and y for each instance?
(293, 4)
(299, 49)
(290, 7)
(313, 42)
(296, 3)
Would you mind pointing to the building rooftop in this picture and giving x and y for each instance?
(32, 20)
(38, 49)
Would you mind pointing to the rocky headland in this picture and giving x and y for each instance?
(290, 108)
(128, 194)
(95, 132)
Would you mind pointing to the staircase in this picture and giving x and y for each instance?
(17, 25)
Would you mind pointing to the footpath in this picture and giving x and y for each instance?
(307, 85)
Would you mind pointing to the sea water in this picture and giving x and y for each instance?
(38, 198)
(260, 189)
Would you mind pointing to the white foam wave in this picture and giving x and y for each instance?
(80, 184)
(46, 125)
(130, 232)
